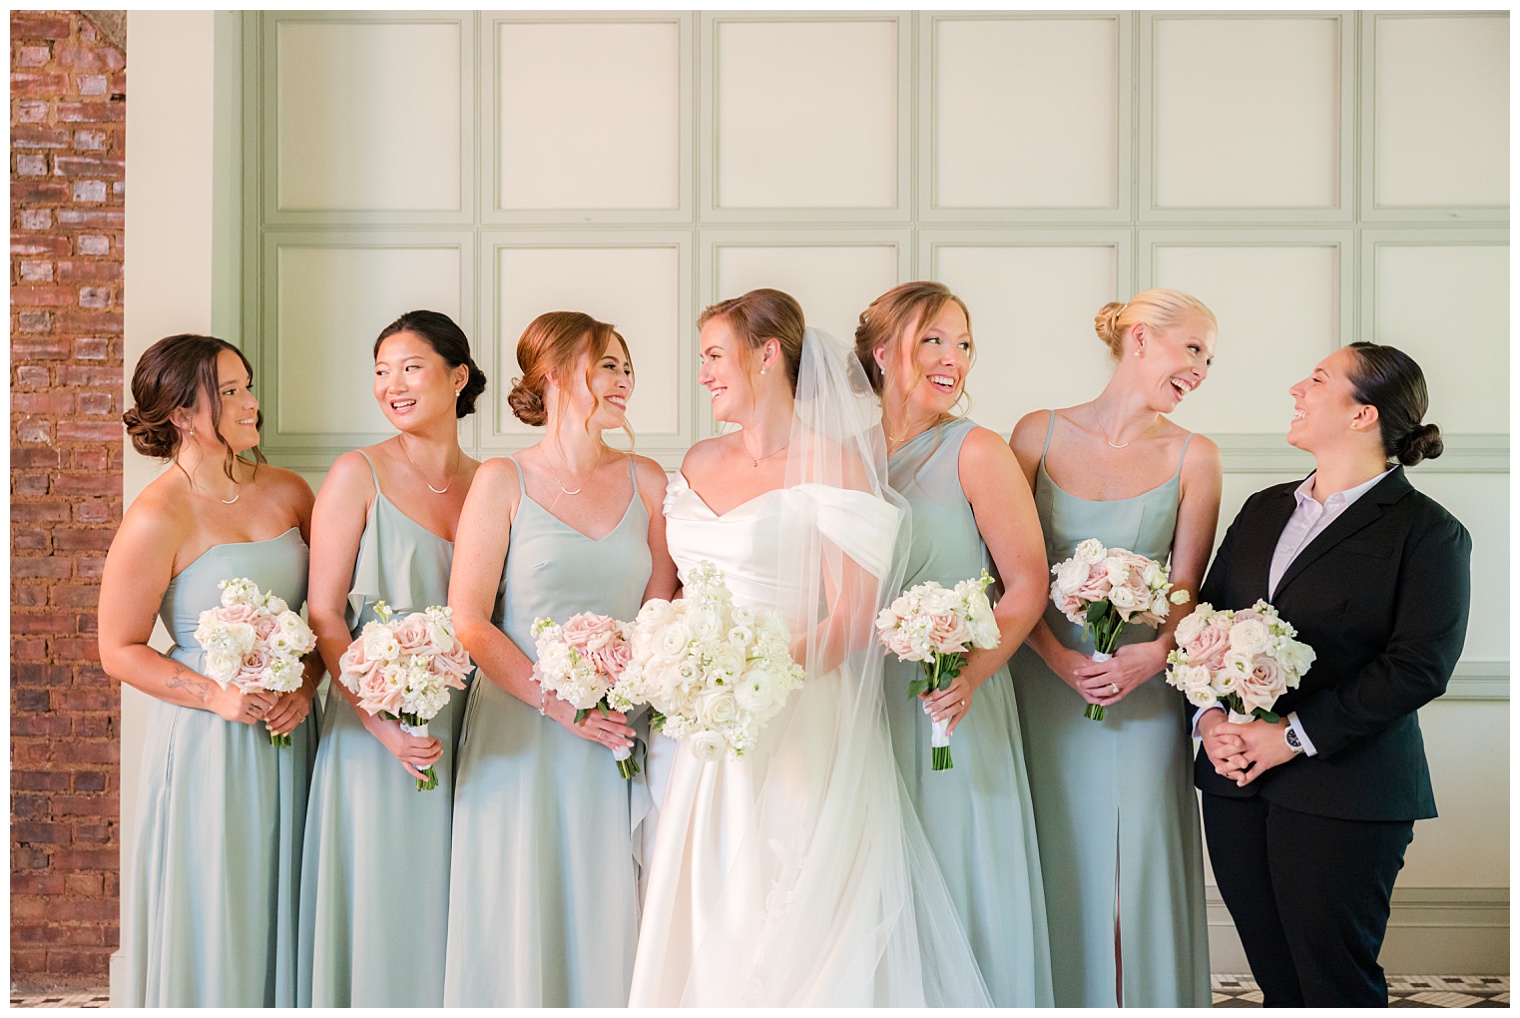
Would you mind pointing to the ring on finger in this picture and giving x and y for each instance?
(1115, 687)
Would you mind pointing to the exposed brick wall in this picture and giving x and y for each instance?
(68, 146)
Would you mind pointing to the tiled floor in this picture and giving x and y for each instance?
(1403, 991)
(1229, 991)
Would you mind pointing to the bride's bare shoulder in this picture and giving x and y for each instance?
(704, 456)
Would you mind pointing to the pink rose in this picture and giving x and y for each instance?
(588, 632)
(264, 626)
(1208, 648)
(353, 660)
(1066, 604)
(252, 668)
(1265, 683)
(614, 656)
(949, 634)
(411, 633)
(235, 613)
(1097, 586)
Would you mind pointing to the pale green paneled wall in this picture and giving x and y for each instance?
(1316, 177)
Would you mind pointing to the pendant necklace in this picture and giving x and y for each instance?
(557, 481)
(754, 462)
(448, 479)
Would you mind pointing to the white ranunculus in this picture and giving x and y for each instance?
(756, 690)
(708, 746)
(672, 639)
(1090, 551)
(1071, 574)
(1250, 637)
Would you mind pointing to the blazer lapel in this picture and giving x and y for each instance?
(1356, 516)
(1256, 557)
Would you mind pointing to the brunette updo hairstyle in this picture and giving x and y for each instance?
(449, 342)
(762, 315)
(1159, 308)
(549, 348)
(890, 314)
(174, 374)
(1389, 379)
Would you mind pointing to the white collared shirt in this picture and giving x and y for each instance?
(1308, 521)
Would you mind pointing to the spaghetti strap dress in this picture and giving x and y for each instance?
(211, 898)
(543, 890)
(978, 815)
(375, 879)
(1114, 805)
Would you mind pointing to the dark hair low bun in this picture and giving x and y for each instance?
(448, 341)
(159, 440)
(1423, 443)
(464, 405)
(527, 404)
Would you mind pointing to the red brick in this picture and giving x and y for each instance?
(28, 859)
(93, 726)
(29, 25)
(28, 244)
(90, 459)
(40, 192)
(89, 190)
(88, 752)
(26, 962)
(88, 859)
(85, 805)
(70, 595)
(92, 244)
(34, 165)
(42, 725)
(90, 431)
(35, 271)
(39, 834)
(91, 322)
(33, 431)
(73, 374)
(37, 322)
(30, 457)
(78, 962)
(29, 484)
(31, 807)
(30, 376)
(33, 219)
(31, 112)
(32, 700)
(88, 623)
(97, 112)
(29, 539)
(28, 649)
(89, 781)
(91, 935)
(42, 296)
(96, 402)
(87, 540)
(38, 512)
(89, 58)
(41, 137)
(29, 595)
(57, 403)
(41, 675)
(37, 84)
(84, 484)
(41, 624)
(71, 271)
(89, 166)
(37, 883)
(109, 219)
(33, 56)
(92, 84)
(90, 141)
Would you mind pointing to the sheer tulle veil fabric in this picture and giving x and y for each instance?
(855, 911)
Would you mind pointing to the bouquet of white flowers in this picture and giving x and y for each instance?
(580, 662)
(254, 641)
(936, 627)
(713, 672)
(1242, 660)
(403, 669)
(1102, 589)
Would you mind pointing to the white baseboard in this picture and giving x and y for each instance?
(117, 959)
(1449, 930)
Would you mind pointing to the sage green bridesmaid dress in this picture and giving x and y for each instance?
(211, 900)
(1114, 805)
(375, 880)
(977, 815)
(543, 892)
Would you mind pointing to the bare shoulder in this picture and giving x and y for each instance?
(1029, 435)
(349, 474)
(496, 477)
(1202, 457)
(704, 455)
(287, 486)
(651, 477)
(159, 515)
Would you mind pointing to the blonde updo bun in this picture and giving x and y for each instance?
(1158, 308)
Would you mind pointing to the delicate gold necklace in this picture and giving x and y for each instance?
(561, 484)
(756, 462)
(1102, 431)
(448, 479)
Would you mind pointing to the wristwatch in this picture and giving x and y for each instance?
(1290, 736)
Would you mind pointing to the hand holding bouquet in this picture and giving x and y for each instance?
(1103, 589)
(1241, 660)
(254, 641)
(936, 627)
(581, 662)
(403, 669)
(713, 672)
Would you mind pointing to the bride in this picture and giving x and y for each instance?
(795, 875)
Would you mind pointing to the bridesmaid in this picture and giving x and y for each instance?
(543, 893)
(209, 918)
(375, 887)
(970, 511)
(1113, 801)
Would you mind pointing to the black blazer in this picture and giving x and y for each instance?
(1381, 594)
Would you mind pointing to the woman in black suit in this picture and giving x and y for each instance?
(1307, 820)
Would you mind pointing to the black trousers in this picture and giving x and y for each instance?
(1309, 896)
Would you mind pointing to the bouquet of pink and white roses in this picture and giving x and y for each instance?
(254, 641)
(936, 627)
(713, 672)
(403, 669)
(580, 662)
(1103, 589)
(1241, 660)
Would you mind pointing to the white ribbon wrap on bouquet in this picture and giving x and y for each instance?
(621, 753)
(420, 731)
(1241, 719)
(939, 733)
(1098, 655)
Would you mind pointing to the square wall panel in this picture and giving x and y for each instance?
(1481, 502)
(1026, 113)
(589, 114)
(834, 283)
(1247, 112)
(806, 114)
(637, 289)
(1448, 308)
(368, 116)
(1032, 314)
(1441, 110)
(330, 304)
(1279, 314)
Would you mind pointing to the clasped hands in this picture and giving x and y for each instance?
(1243, 753)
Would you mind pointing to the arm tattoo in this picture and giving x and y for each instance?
(195, 685)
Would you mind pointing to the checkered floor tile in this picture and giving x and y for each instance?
(1403, 991)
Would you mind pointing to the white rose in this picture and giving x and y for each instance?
(740, 637)
(707, 746)
(1071, 574)
(1122, 597)
(705, 624)
(1090, 551)
(672, 640)
(1118, 570)
(727, 663)
(719, 709)
(1154, 575)
(1196, 676)
(1189, 628)
(1250, 638)
(1159, 605)
(1201, 696)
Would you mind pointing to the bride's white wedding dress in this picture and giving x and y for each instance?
(788, 877)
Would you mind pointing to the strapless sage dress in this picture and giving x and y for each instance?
(543, 891)
(977, 815)
(375, 878)
(211, 901)
(1114, 805)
